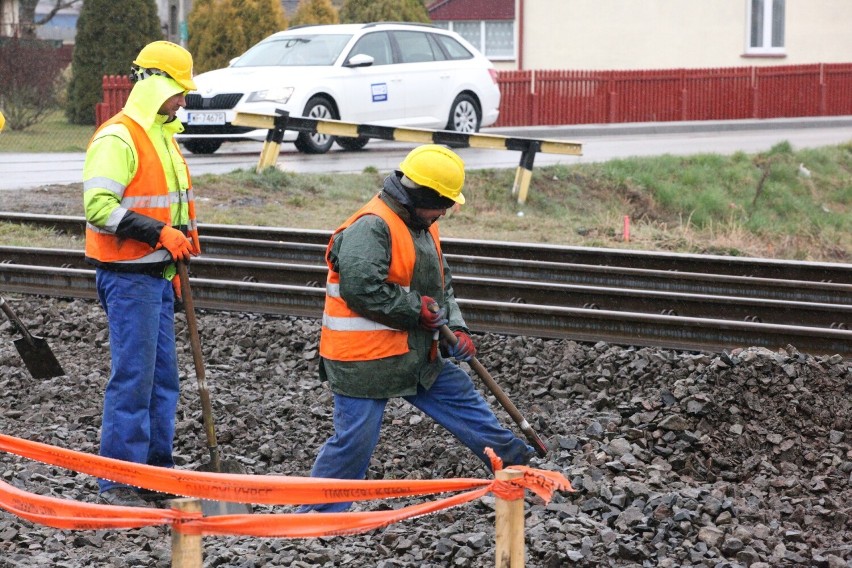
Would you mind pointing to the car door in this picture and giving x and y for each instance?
(427, 79)
(372, 94)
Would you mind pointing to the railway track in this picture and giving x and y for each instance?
(679, 301)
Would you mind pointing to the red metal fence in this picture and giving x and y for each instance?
(598, 97)
(116, 90)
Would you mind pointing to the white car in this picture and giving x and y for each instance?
(413, 75)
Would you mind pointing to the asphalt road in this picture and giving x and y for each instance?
(600, 143)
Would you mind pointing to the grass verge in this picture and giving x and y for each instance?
(742, 205)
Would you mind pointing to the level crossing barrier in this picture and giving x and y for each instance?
(528, 147)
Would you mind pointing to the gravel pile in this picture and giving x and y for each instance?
(677, 458)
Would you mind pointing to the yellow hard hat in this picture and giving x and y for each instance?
(168, 57)
(2, 121)
(437, 168)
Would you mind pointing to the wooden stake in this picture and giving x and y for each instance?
(186, 548)
(509, 526)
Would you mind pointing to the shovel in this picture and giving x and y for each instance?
(538, 444)
(216, 464)
(34, 350)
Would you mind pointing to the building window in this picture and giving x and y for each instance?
(766, 27)
(173, 23)
(493, 38)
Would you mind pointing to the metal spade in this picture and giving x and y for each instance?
(38, 358)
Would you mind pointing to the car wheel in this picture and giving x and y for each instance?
(352, 144)
(202, 146)
(464, 115)
(313, 142)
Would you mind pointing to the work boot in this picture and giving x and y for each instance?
(158, 498)
(122, 497)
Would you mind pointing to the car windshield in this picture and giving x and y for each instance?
(294, 50)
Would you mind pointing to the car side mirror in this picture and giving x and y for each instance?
(359, 60)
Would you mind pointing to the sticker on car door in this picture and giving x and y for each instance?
(380, 92)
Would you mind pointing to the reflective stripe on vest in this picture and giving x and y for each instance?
(348, 336)
(146, 194)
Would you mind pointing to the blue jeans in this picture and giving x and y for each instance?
(452, 402)
(142, 393)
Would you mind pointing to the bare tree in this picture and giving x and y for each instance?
(27, 17)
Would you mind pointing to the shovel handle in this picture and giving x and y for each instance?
(195, 343)
(7, 309)
(538, 444)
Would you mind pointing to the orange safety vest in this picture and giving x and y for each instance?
(348, 336)
(146, 194)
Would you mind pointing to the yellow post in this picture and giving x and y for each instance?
(268, 156)
(509, 526)
(186, 548)
(522, 184)
(524, 172)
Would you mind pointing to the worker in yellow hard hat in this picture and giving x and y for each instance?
(140, 213)
(388, 292)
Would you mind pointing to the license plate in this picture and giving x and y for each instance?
(197, 118)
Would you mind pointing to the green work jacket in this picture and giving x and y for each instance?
(361, 254)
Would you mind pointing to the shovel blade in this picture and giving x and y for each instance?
(211, 508)
(38, 358)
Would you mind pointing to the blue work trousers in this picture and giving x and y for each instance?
(142, 393)
(453, 402)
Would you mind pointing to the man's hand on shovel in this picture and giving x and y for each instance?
(464, 349)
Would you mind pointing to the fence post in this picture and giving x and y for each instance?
(612, 99)
(535, 117)
(509, 526)
(755, 94)
(186, 548)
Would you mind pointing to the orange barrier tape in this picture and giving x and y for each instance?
(324, 524)
(264, 489)
(64, 514)
(59, 513)
(541, 482)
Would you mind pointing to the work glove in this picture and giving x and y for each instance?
(464, 349)
(176, 286)
(431, 316)
(176, 243)
(194, 243)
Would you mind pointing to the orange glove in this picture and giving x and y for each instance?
(176, 286)
(195, 243)
(176, 243)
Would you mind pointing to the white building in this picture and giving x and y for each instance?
(651, 34)
(63, 26)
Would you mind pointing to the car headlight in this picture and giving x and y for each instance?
(276, 95)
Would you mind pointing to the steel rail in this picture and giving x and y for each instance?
(486, 267)
(750, 299)
(619, 327)
(617, 298)
(651, 260)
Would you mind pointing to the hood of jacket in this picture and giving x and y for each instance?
(394, 189)
(147, 96)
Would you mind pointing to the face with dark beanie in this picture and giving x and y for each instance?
(427, 205)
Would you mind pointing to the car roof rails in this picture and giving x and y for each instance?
(424, 24)
(297, 26)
